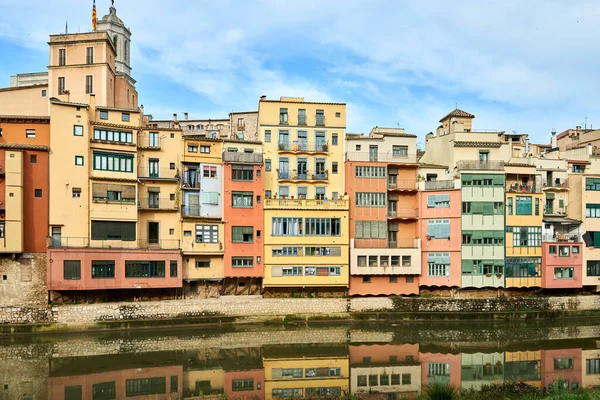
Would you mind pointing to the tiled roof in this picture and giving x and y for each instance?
(41, 118)
(477, 144)
(427, 165)
(300, 102)
(457, 113)
(23, 87)
(397, 134)
(243, 112)
(54, 100)
(24, 146)
(242, 141)
(130, 110)
(201, 137)
(105, 178)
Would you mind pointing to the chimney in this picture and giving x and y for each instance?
(526, 146)
(553, 140)
(175, 117)
(185, 116)
(263, 97)
(578, 128)
(590, 149)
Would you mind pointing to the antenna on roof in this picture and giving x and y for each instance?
(585, 125)
(67, 27)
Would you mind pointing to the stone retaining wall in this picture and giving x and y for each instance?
(250, 306)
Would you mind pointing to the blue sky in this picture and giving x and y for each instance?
(526, 66)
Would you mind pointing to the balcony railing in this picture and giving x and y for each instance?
(560, 237)
(385, 244)
(564, 184)
(439, 185)
(160, 203)
(148, 142)
(308, 204)
(75, 242)
(295, 175)
(477, 165)
(365, 156)
(403, 184)
(522, 188)
(242, 157)
(302, 146)
(403, 213)
(158, 173)
(403, 244)
(556, 211)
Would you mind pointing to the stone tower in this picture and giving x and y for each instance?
(121, 36)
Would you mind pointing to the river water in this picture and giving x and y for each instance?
(303, 360)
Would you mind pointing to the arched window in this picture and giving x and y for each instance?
(116, 40)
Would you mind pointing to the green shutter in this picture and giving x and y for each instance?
(498, 180)
(467, 266)
(476, 207)
(477, 234)
(596, 236)
(561, 203)
(488, 208)
(358, 229)
(488, 234)
(498, 234)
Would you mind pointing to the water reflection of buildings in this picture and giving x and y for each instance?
(369, 371)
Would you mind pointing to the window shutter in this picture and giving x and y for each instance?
(276, 271)
(445, 259)
(431, 228)
(358, 229)
(498, 234)
(374, 229)
(445, 229)
(498, 180)
(467, 266)
(561, 203)
(476, 207)
(98, 190)
(431, 200)
(477, 234)
(382, 230)
(488, 208)
(445, 197)
(596, 239)
(550, 196)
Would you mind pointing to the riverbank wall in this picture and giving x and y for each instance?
(257, 309)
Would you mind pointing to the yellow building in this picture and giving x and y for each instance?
(202, 209)
(305, 208)
(524, 214)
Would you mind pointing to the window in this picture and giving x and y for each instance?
(564, 251)
(172, 165)
(563, 363)
(323, 226)
(77, 130)
(320, 117)
(301, 116)
(62, 57)
(393, 278)
(510, 206)
(30, 133)
(526, 236)
(72, 269)
(575, 249)
(370, 229)
(242, 173)
(438, 264)
(438, 228)
(338, 114)
(291, 271)
(192, 148)
(76, 193)
(564, 273)
(370, 172)
(357, 147)
(144, 387)
(400, 151)
(202, 264)
(209, 171)
(79, 160)
(267, 164)
(524, 205)
(104, 390)
(103, 269)
(242, 199)
(145, 269)
(242, 234)
(74, 392)
(286, 226)
(89, 55)
(370, 199)
(592, 210)
(103, 114)
(537, 206)
(89, 84)
(483, 207)
(439, 201)
(33, 159)
(366, 279)
(242, 262)
(111, 135)
(283, 115)
(61, 85)
(173, 269)
(334, 167)
(113, 230)
(578, 168)
(44, 93)
(205, 149)
(113, 192)
(207, 234)
(38, 193)
(267, 136)
(592, 183)
(552, 249)
(406, 261)
(125, 117)
(592, 366)
(113, 162)
(320, 192)
(287, 251)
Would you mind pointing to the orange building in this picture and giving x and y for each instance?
(243, 216)
(381, 182)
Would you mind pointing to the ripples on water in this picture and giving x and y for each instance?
(303, 361)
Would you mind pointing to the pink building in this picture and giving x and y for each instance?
(562, 265)
(564, 365)
(244, 384)
(440, 224)
(443, 368)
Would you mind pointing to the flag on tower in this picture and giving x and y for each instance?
(94, 17)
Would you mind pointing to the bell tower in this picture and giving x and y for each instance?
(121, 37)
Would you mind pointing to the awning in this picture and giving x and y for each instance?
(153, 189)
(561, 220)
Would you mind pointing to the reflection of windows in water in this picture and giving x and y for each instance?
(438, 372)
(324, 391)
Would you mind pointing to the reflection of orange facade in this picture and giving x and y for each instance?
(244, 384)
(436, 367)
(564, 365)
(157, 383)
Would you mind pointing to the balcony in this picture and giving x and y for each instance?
(306, 204)
(556, 185)
(303, 147)
(439, 185)
(403, 184)
(145, 142)
(158, 174)
(556, 212)
(477, 165)
(522, 188)
(157, 204)
(386, 244)
(242, 157)
(391, 158)
(74, 242)
(561, 237)
(403, 213)
(305, 175)
(198, 211)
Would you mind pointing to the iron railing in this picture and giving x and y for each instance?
(478, 165)
(439, 185)
(78, 242)
(302, 175)
(561, 237)
(556, 211)
(312, 204)
(148, 142)
(302, 146)
(156, 203)
(158, 173)
(522, 188)
(556, 184)
(403, 213)
(242, 157)
(403, 184)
